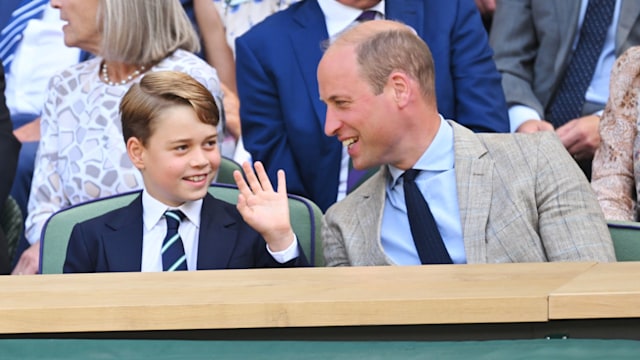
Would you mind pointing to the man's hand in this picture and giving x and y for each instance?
(264, 209)
(29, 261)
(532, 126)
(581, 136)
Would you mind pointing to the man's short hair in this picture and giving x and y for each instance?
(384, 46)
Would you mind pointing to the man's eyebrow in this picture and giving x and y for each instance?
(333, 98)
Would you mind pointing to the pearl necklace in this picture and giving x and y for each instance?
(105, 75)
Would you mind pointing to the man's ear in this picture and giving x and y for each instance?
(135, 150)
(400, 86)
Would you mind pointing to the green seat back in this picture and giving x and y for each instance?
(626, 239)
(225, 171)
(57, 230)
(306, 219)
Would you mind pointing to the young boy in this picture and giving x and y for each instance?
(169, 125)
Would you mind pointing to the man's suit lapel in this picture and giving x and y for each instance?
(371, 200)
(629, 12)
(409, 12)
(307, 46)
(566, 12)
(217, 237)
(474, 177)
(123, 246)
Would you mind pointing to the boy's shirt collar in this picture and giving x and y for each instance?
(153, 210)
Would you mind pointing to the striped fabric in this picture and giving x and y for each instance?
(11, 35)
(173, 256)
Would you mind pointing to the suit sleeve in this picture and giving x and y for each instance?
(513, 39)
(570, 221)
(263, 125)
(9, 146)
(79, 257)
(480, 101)
(263, 259)
(334, 251)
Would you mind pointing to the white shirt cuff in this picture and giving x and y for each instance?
(519, 114)
(287, 254)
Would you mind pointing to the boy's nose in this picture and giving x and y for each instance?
(199, 158)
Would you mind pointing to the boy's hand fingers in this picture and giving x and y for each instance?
(252, 180)
(282, 182)
(262, 176)
(239, 179)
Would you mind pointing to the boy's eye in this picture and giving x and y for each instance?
(211, 143)
(181, 147)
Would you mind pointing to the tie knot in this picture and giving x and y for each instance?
(174, 217)
(367, 15)
(410, 175)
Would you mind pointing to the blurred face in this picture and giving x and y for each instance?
(81, 29)
(362, 121)
(180, 158)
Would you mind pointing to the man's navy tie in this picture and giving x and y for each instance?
(173, 256)
(570, 97)
(423, 226)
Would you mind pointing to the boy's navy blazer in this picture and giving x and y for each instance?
(113, 242)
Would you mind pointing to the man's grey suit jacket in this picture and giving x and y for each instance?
(522, 198)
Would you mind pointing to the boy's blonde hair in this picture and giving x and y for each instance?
(157, 91)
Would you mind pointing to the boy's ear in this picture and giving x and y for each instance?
(135, 150)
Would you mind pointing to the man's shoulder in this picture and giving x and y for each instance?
(508, 146)
(277, 20)
(300, 14)
(533, 141)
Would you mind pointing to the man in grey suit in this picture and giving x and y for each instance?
(494, 197)
(533, 44)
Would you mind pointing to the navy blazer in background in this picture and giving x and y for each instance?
(113, 242)
(283, 117)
